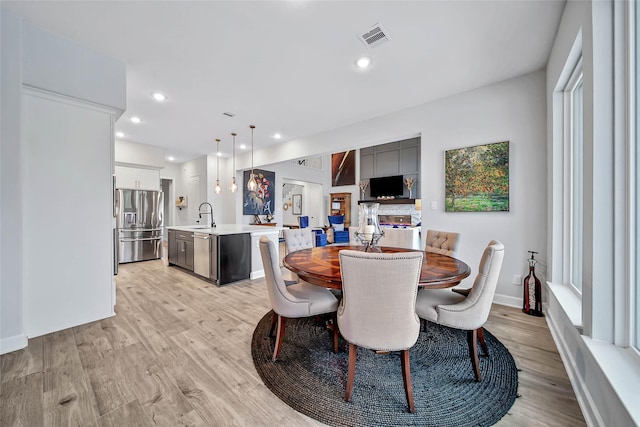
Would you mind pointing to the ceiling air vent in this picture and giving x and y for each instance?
(229, 114)
(375, 36)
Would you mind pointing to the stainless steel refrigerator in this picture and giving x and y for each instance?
(139, 216)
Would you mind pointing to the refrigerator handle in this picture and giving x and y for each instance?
(116, 253)
(160, 209)
(115, 196)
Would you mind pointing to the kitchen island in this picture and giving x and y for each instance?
(222, 254)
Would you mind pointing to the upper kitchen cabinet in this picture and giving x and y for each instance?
(137, 178)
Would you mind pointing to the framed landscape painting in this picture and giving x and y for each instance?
(477, 178)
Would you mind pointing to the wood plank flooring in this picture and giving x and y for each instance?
(178, 353)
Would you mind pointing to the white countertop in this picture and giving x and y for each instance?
(222, 229)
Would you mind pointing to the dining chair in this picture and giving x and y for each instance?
(377, 310)
(442, 242)
(294, 301)
(468, 312)
(298, 238)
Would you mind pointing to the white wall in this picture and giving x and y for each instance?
(196, 167)
(65, 67)
(12, 334)
(513, 110)
(136, 154)
(78, 271)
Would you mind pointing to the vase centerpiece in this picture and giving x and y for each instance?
(409, 183)
(369, 231)
(363, 188)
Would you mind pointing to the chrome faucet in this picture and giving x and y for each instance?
(213, 223)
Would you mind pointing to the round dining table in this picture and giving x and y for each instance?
(321, 266)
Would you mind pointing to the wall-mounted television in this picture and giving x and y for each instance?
(386, 186)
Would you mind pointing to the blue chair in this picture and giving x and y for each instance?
(303, 221)
(340, 232)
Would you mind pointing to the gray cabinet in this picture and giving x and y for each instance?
(173, 254)
(181, 249)
(394, 158)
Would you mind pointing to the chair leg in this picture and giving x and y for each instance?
(279, 337)
(472, 340)
(335, 333)
(353, 350)
(485, 350)
(406, 376)
(274, 322)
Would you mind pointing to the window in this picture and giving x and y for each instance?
(573, 107)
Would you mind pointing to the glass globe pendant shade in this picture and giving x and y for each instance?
(234, 186)
(252, 184)
(369, 231)
(218, 188)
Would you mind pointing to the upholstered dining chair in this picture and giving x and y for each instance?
(298, 238)
(468, 312)
(294, 301)
(442, 242)
(377, 310)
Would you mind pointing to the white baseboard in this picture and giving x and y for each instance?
(16, 342)
(256, 274)
(507, 300)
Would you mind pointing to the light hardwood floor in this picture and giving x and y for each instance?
(178, 353)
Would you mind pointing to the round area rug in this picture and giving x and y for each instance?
(311, 379)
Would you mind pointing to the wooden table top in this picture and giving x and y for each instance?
(321, 266)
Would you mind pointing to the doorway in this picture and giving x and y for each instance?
(310, 194)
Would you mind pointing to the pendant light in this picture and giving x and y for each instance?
(218, 189)
(234, 186)
(252, 184)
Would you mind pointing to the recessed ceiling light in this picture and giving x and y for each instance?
(171, 158)
(363, 62)
(135, 119)
(243, 147)
(120, 134)
(219, 154)
(277, 135)
(158, 96)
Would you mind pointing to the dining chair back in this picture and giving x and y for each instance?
(294, 301)
(298, 239)
(468, 312)
(442, 242)
(377, 310)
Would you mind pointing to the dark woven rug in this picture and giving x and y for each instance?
(311, 379)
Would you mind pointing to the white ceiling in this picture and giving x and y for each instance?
(288, 66)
